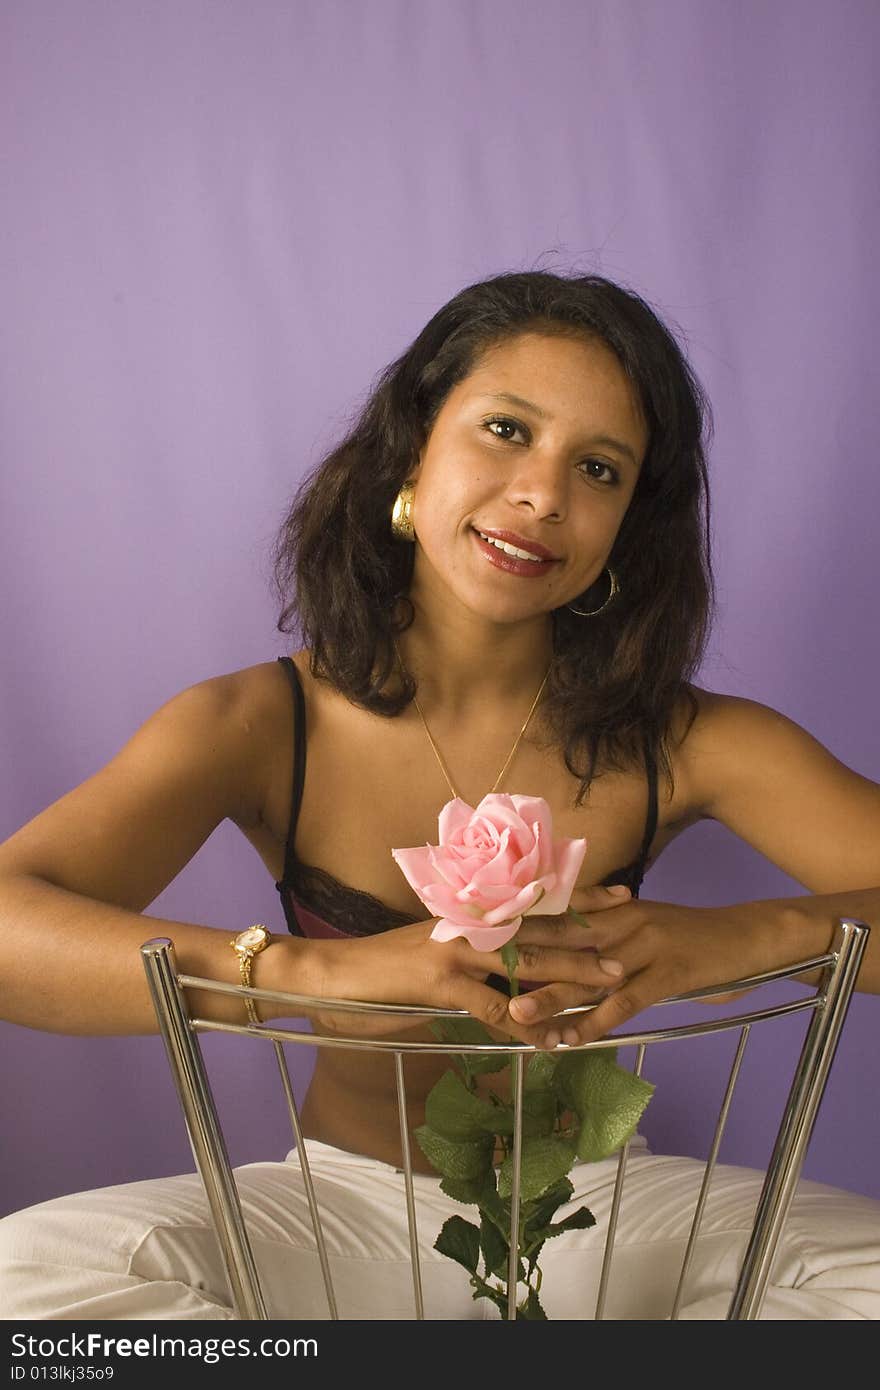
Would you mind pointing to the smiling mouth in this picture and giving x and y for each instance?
(509, 549)
(513, 559)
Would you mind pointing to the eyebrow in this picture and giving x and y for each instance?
(607, 441)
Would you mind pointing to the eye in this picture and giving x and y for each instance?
(600, 470)
(505, 422)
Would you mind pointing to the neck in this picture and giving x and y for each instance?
(464, 663)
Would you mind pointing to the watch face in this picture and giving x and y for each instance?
(251, 940)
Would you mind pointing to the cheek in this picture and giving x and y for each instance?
(448, 503)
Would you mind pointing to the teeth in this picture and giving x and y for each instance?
(511, 549)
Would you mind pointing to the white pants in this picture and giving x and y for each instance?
(146, 1250)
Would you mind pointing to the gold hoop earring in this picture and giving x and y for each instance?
(401, 513)
(613, 591)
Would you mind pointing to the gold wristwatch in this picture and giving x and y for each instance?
(246, 945)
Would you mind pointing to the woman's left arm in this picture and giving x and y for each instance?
(777, 788)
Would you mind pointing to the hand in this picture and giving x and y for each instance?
(662, 950)
(405, 966)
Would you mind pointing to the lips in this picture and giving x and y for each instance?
(515, 554)
(533, 549)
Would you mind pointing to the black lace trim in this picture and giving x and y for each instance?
(347, 909)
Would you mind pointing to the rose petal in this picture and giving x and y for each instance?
(529, 867)
(446, 867)
(569, 855)
(488, 896)
(518, 904)
(441, 901)
(453, 818)
(499, 810)
(482, 835)
(416, 866)
(537, 815)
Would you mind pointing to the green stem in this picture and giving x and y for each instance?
(510, 956)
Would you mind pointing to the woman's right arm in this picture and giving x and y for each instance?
(75, 880)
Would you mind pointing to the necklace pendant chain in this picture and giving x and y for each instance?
(508, 760)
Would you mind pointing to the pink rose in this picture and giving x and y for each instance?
(493, 866)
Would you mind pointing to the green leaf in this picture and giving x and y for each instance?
(453, 1160)
(470, 1031)
(580, 1220)
(496, 1250)
(539, 1116)
(541, 1212)
(497, 1296)
(539, 1112)
(455, 1112)
(611, 1102)
(469, 1191)
(501, 1120)
(531, 1310)
(544, 1161)
(539, 1071)
(460, 1240)
(493, 1209)
(568, 1078)
(536, 1220)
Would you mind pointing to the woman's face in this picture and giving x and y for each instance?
(548, 475)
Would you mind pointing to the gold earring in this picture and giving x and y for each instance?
(401, 513)
(613, 590)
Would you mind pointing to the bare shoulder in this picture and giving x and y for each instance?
(202, 757)
(778, 787)
(242, 718)
(729, 738)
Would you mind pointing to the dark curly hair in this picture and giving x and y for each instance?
(617, 679)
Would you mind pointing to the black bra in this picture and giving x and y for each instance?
(355, 913)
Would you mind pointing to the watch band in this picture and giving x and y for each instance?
(246, 945)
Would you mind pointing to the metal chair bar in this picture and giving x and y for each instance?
(709, 1169)
(429, 1011)
(798, 1120)
(598, 1315)
(203, 1127)
(782, 972)
(517, 1070)
(687, 1030)
(408, 1184)
(308, 1183)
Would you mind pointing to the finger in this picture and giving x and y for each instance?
(599, 898)
(489, 1006)
(549, 964)
(611, 1012)
(575, 932)
(544, 1005)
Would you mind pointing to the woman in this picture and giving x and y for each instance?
(528, 622)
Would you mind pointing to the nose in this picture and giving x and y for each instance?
(541, 485)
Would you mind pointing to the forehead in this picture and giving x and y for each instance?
(572, 380)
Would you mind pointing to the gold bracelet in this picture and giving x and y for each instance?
(246, 945)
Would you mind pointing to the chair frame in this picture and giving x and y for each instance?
(180, 1030)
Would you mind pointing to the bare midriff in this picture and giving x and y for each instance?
(352, 1100)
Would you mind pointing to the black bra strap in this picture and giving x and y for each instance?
(299, 761)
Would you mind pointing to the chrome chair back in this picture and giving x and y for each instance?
(826, 1007)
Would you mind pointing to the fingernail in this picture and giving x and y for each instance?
(523, 1008)
(611, 967)
(552, 1040)
(571, 1037)
(618, 890)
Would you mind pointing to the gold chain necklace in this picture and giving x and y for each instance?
(439, 756)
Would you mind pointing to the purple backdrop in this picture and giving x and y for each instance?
(223, 218)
